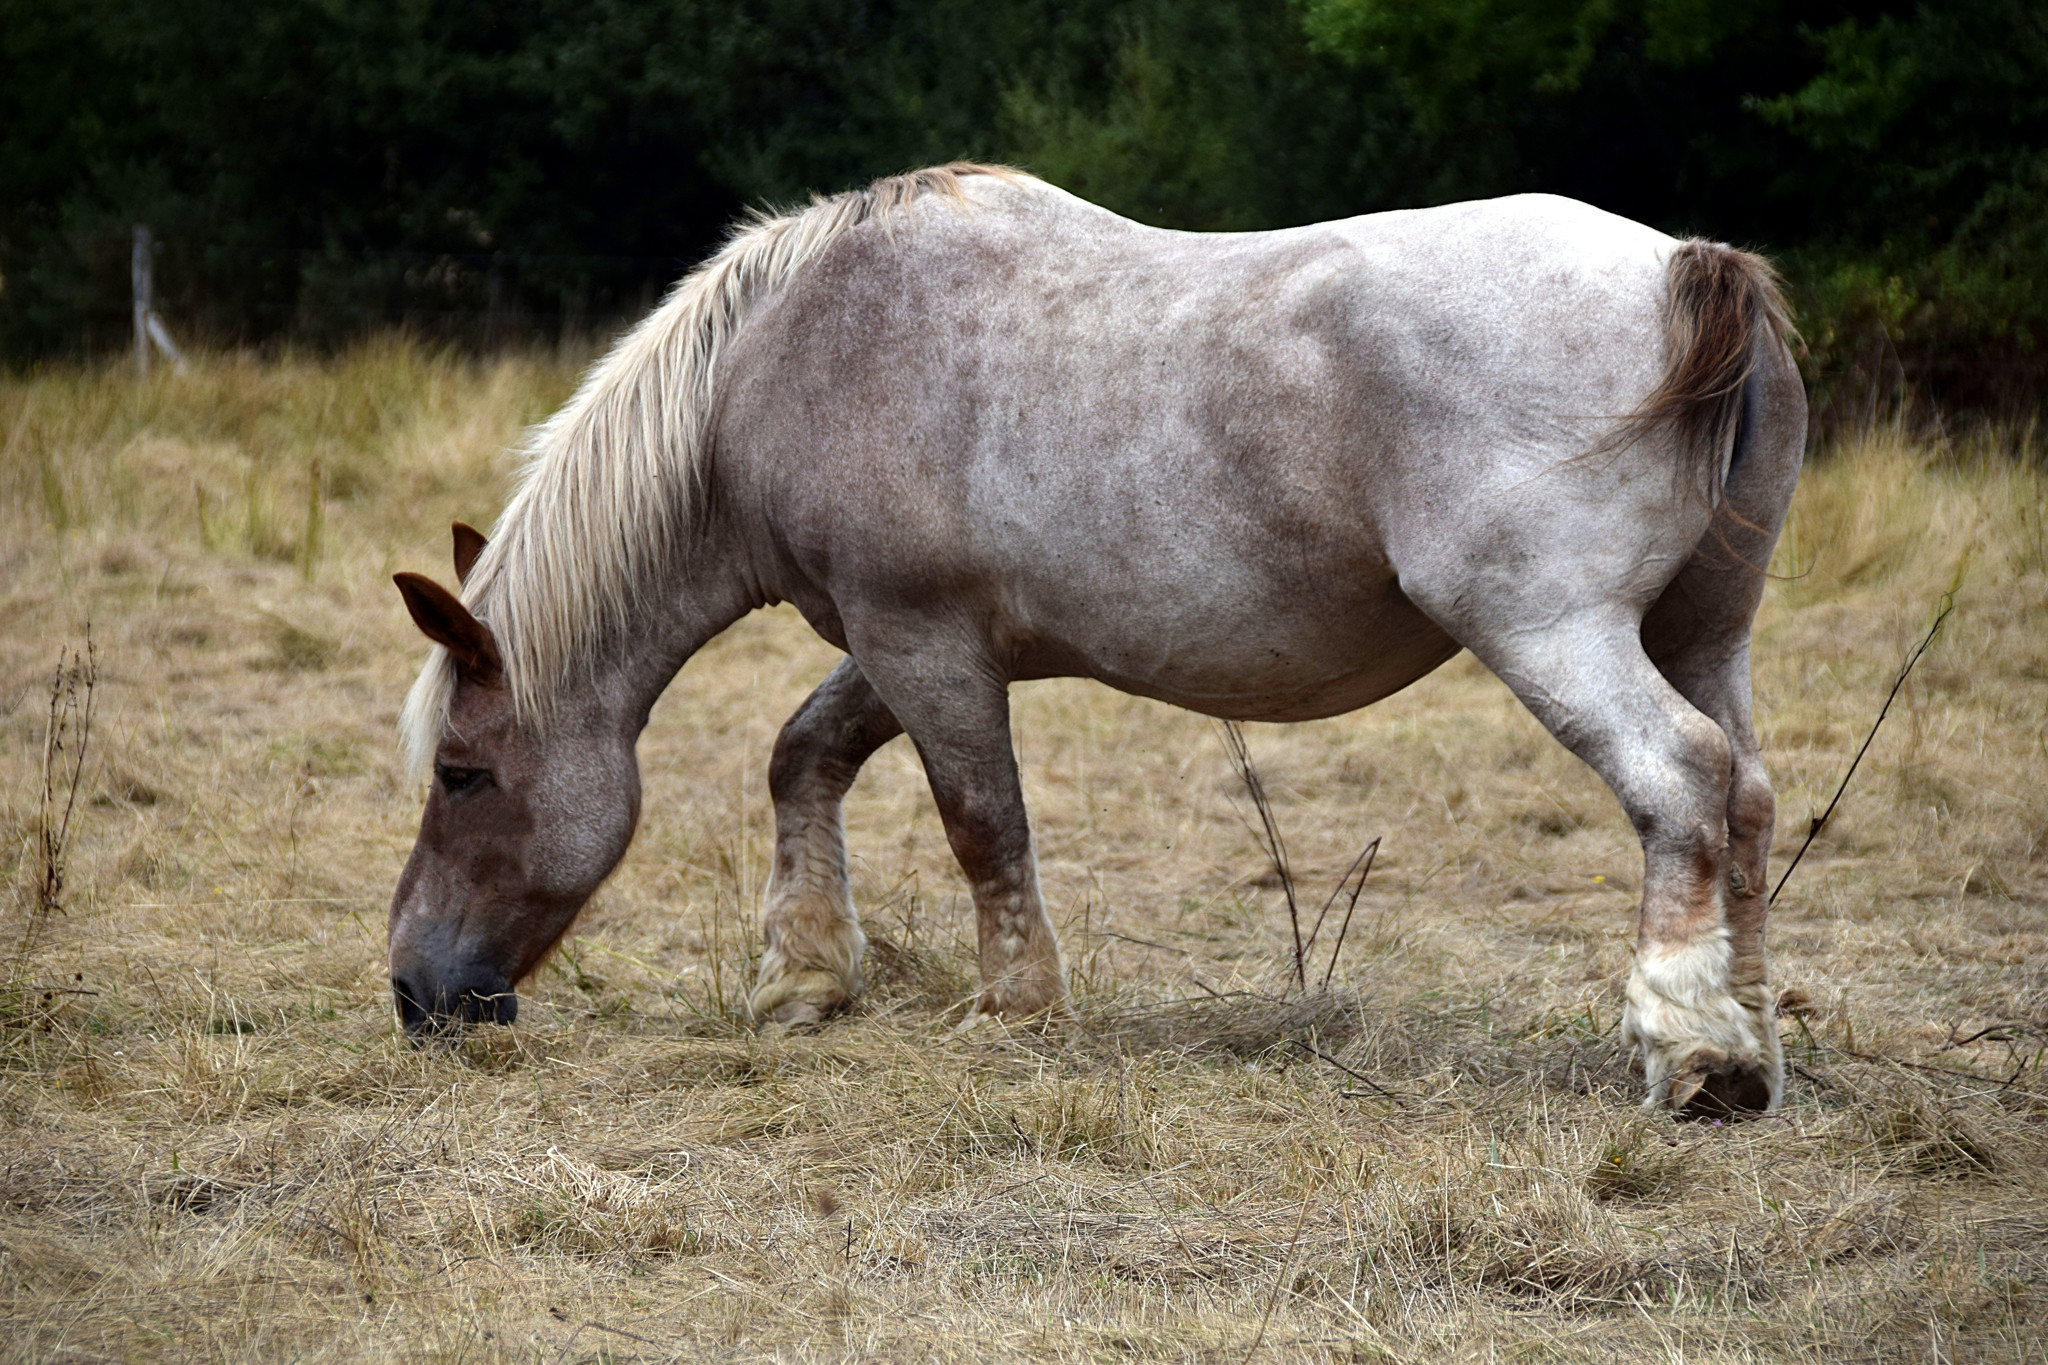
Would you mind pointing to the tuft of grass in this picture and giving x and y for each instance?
(316, 521)
(296, 649)
(1906, 1126)
(1638, 1162)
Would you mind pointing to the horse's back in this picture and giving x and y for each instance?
(1463, 333)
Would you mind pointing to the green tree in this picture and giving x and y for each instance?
(319, 167)
(1214, 117)
(1937, 120)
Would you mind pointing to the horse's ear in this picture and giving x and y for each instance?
(469, 543)
(443, 619)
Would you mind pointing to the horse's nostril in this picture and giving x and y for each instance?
(411, 1012)
(428, 1010)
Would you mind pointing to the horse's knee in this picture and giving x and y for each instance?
(1752, 807)
(1703, 751)
(803, 755)
(822, 746)
(989, 833)
(1675, 789)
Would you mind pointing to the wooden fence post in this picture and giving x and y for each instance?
(142, 276)
(149, 325)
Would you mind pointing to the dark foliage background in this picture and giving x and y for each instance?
(514, 170)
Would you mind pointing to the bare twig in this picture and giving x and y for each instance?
(1166, 1221)
(1276, 855)
(1916, 1066)
(1336, 950)
(1997, 1033)
(1819, 822)
(1354, 1075)
(1141, 942)
(563, 1354)
(1816, 1077)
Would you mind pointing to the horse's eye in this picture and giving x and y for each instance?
(463, 781)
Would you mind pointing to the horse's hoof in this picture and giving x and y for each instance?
(796, 1014)
(1724, 1089)
(799, 999)
(1033, 996)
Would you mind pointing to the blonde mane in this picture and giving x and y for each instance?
(611, 483)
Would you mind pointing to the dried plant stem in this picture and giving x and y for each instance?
(1820, 822)
(1276, 847)
(1280, 1281)
(1276, 854)
(67, 735)
(1362, 865)
(563, 1354)
(1359, 1076)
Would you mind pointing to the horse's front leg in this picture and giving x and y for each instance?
(811, 964)
(956, 709)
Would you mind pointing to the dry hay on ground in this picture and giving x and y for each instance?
(218, 1147)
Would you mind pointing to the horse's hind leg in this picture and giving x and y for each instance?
(1585, 675)
(811, 964)
(1698, 633)
(1706, 657)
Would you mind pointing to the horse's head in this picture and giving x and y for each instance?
(520, 827)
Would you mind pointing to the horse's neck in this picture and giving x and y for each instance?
(680, 618)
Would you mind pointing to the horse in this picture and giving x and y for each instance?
(978, 430)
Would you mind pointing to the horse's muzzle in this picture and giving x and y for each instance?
(429, 1010)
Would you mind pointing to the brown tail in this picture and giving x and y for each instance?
(1719, 297)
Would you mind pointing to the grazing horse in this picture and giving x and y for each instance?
(978, 430)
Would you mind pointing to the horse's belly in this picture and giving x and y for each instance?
(1301, 661)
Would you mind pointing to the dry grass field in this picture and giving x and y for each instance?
(217, 1146)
